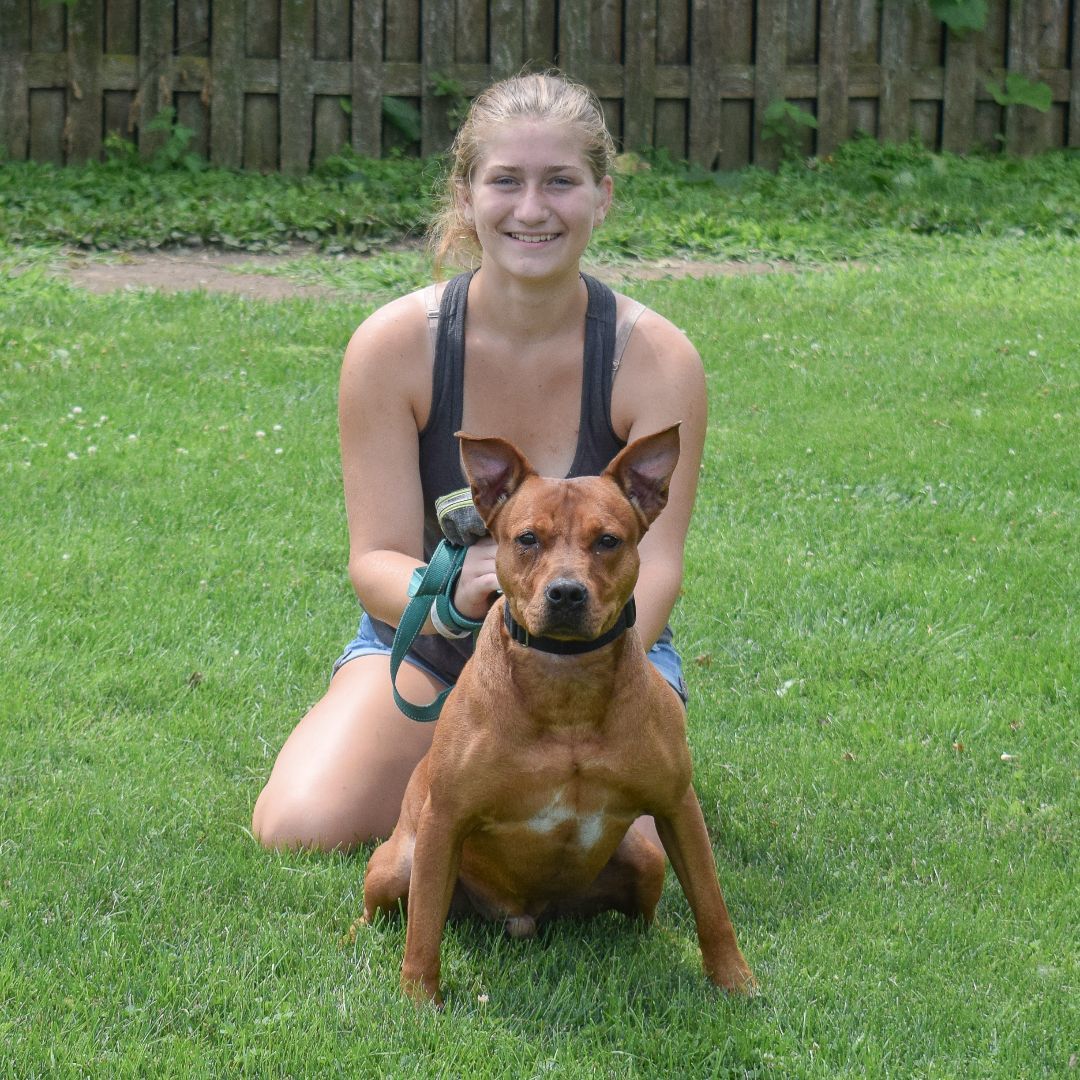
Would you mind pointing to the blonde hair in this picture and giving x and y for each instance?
(547, 96)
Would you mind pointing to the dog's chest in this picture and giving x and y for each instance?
(573, 806)
(564, 818)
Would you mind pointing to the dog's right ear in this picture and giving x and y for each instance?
(495, 469)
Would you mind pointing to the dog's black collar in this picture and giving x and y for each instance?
(626, 619)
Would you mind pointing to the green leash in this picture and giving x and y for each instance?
(431, 585)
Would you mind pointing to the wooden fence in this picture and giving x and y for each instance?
(280, 84)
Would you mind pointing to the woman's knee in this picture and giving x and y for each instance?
(310, 820)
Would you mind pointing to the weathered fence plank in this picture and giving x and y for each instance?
(507, 38)
(439, 29)
(155, 76)
(297, 105)
(1074, 82)
(769, 64)
(704, 125)
(14, 49)
(575, 39)
(226, 91)
(639, 74)
(958, 110)
(367, 77)
(894, 110)
(82, 128)
(833, 52)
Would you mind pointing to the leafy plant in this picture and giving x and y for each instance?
(785, 124)
(443, 86)
(960, 16)
(1018, 90)
(403, 116)
(172, 154)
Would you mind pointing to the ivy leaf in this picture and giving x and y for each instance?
(960, 15)
(1020, 91)
(404, 116)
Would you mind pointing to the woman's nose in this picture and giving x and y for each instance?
(532, 207)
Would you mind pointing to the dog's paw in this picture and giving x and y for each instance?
(349, 938)
(736, 978)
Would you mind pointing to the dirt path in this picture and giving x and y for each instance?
(216, 271)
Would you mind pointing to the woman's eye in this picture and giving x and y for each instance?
(527, 539)
(610, 542)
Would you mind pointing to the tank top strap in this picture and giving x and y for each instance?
(447, 379)
(597, 442)
(625, 328)
(431, 306)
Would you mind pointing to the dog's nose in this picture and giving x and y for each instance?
(565, 594)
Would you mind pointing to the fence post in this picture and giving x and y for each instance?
(436, 56)
(958, 107)
(82, 129)
(770, 60)
(294, 80)
(1023, 126)
(575, 38)
(367, 77)
(1073, 137)
(639, 74)
(14, 48)
(226, 88)
(834, 53)
(507, 38)
(894, 102)
(155, 69)
(703, 135)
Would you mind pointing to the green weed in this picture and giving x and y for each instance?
(867, 200)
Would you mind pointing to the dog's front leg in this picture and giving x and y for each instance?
(434, 873)
(686, 841)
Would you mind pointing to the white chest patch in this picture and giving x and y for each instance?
(590, 827)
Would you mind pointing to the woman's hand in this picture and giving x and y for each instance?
(477, 587)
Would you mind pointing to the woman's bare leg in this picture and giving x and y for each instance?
(339, 778)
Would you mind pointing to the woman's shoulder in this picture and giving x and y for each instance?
(399, 331)
(652, 335)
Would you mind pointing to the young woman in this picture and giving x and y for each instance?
(526, 348)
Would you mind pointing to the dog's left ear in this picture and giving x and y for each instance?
(495, 469)
(643, 471)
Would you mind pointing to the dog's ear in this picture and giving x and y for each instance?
(495, 469)
(643, 471)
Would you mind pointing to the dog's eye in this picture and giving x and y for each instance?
(527, 539)
(610, 542)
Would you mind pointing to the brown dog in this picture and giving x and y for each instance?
(554, 741)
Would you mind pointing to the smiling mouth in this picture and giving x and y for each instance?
(534, 238)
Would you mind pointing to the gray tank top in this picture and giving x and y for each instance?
(440, 461)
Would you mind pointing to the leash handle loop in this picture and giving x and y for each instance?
(431, 584)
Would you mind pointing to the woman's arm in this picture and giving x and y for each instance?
(385, 393)
(661, 382)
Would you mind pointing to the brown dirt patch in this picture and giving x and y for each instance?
(216, 271)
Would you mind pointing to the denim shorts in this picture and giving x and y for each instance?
(663, 656)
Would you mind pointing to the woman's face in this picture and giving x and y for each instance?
(533, 200)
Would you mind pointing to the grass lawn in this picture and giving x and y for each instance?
(880, 625)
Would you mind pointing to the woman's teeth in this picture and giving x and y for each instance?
(534, 239)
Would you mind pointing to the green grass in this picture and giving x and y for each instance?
(880, 602)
